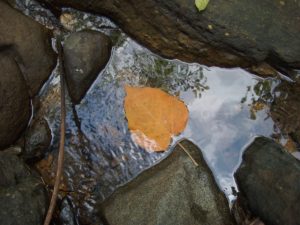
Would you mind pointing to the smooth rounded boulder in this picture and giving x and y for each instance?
(173, 192)
(85, 55)
(269, 179)
(23, 199)
(15, 109)
(30, 43)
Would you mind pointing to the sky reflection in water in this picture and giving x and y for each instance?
(219, 101)
(220, 124)
(99, 152)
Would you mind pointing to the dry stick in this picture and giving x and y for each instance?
(189, 155)
(62, 139)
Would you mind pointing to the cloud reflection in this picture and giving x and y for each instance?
(220, 124)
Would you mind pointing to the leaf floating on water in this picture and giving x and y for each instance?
(154, 117)
(201, 4)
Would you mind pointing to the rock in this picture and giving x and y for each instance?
(241, 213)
(14, 102)
(228, 33)
(30, 43)
(286, 108)
(67, 215)
(174, 191)
(85, 55)
(269, 179)
(22, 196)
(37, 139)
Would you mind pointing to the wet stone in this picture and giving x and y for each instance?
(227, 33)
(37, 139)
(67, 215)
(30, 44)
(14, 102)
(174, 191)
(85, 55)
(269, 180)
(100, 154)
(23, 198)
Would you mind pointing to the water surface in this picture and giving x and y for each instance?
(228, 108)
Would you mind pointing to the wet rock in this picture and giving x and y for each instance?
(227, 33)
(67, 215)
(85, 55)
(30, 44)
(174, 191)
(14, 102)
(37, 139)
(22, 196)
(285, 108)
(241, 213)
(269, 179)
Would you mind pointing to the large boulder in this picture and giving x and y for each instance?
(173, 192)
(228, 33)
(15, 107)
(23, 199)
(269, 180)
(30, 43)
(85, 55)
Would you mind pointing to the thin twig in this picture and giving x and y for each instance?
(62, 139)
(257, 221)
(187, 152)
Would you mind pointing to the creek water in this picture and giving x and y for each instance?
(228, 109)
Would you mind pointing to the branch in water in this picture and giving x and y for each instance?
(62, 137)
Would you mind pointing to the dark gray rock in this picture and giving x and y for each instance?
(37, 139)
(30, 43)
(269, 179)
(173, 192)
(85, 55)
(228, 33)
(22, 196)
(14, 102)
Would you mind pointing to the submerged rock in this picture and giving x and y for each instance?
(85, 55)
(228, 33)
(37, 139)
(269, 179)
(285, 108)
(67, 215)
(14, 103)
(30, 44)
(174, 191)
(22, 196)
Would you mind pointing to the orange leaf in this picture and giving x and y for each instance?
(154, 117)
